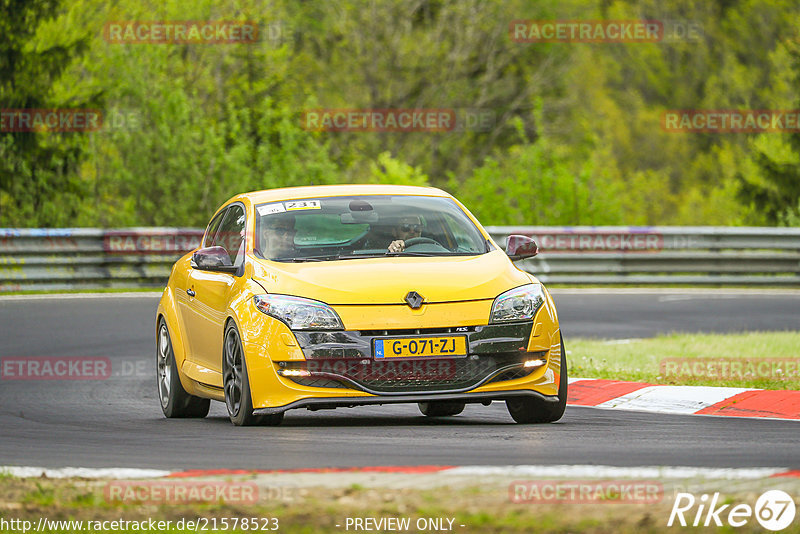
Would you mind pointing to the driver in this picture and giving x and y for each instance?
(277, 236)
(407, 227)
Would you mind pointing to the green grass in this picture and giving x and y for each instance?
(43, 495)
(643, 359)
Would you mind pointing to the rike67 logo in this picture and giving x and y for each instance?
(774, 510)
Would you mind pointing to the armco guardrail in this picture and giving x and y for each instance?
(89, 258)
(77, 258)
(662, 255)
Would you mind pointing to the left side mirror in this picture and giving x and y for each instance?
(519, 247)
(213, 259)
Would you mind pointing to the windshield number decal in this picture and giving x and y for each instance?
(270, 209)
(303, 205)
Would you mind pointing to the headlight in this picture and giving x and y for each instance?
(517, 304)
(299, 313)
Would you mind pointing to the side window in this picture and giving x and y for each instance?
(230, 235)
(212, 229)
(465, 242)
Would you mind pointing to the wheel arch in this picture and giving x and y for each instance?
(168, 312)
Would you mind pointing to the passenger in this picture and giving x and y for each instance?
(277, 236)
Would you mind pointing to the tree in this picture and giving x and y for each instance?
(775, 190)
(39, 183)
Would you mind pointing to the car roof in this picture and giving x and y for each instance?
(318, 191)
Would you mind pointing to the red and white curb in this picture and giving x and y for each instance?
(695, 400)
(539, 471)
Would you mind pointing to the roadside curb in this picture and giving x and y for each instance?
(688, 400)
(415, 473)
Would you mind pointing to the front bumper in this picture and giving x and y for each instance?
(343, 371)
(345, 360)
(314, 403)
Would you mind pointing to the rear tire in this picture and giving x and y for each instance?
(237, 384)
(175, 401)
(535, 410)
(441, 408)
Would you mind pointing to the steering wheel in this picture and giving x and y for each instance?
(421, 241)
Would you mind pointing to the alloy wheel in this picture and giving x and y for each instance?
(164, 365)
(233, 372)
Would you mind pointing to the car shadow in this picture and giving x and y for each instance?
(330, 420)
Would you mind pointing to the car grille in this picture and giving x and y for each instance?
(408, 376)
(418, 331)
(512, 375)
(313, 382)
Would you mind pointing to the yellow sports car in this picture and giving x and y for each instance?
(339, 296)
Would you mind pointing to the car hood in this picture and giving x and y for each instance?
(388, 280)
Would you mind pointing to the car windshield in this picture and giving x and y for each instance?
(352, 227)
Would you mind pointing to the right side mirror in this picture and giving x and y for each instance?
(519, 247)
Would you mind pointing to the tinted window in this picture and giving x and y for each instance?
(213, 226)
(230, 235)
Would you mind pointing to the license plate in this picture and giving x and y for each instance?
(420, 347)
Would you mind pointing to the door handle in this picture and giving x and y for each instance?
(190, 292)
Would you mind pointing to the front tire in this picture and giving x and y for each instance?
(536, 410)
(441, 408)
(237, 384)
(175, 401)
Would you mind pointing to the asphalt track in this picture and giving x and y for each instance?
(117, 422)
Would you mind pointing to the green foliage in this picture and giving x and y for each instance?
(541, 183)
(790, 217)
(575, 134)
(775, 190)
(389, 170)
(38, 172)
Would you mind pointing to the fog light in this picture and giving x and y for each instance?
(293, 372)
(534, 363)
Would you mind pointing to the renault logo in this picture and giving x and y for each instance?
(414, 300)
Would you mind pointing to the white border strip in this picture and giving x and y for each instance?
(672, 399)
(607, 471)
(539, 471)
(82, 472)
(62, 296)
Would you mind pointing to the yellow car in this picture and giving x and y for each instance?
(349, 295)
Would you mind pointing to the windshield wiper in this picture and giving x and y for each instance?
(329, 257)
(421, 254)
(433, 254)
(333, 257)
